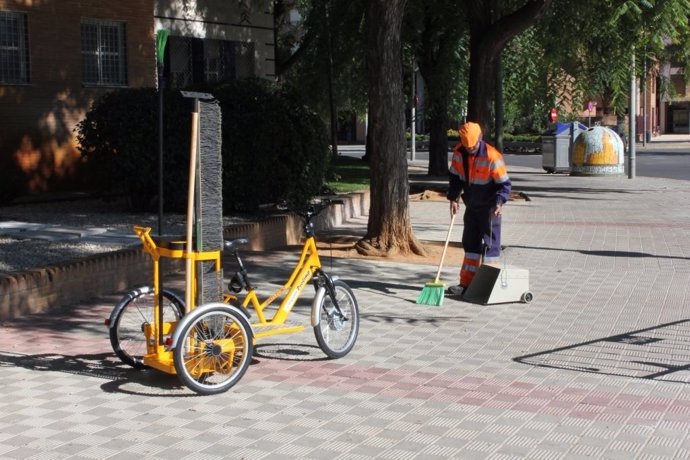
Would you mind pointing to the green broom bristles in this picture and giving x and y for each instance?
(432, 294)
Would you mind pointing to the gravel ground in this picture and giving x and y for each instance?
(22, 254)
(18, 255)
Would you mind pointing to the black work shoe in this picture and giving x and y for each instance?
(456, 290)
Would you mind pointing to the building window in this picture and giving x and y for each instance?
(193, 61)
(14, 49)
(180, 68)
(679, 86)
(244, 60)
(215, 68)
(103, 52)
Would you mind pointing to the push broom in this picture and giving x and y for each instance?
(433, 293)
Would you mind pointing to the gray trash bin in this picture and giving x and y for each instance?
(556, 146)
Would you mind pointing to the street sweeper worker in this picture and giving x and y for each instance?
(478, 175)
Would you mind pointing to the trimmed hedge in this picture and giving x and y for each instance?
(274, 148)
(119, 137)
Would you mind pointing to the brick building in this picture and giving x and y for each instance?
(58, 56)
(675, 113)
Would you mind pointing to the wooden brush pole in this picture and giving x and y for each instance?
(190, 205)
(445, 248)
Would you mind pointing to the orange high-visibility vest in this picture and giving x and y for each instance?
(486, 181)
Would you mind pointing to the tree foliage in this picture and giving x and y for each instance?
(274, 146)
(119, 136)
(330, 33)
(552, 50)
(492, 25)
(528, 95)
(600, 61)
(440, 49)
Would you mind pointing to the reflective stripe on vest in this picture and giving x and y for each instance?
(483, 169)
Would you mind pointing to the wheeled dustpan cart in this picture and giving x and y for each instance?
(493, 285)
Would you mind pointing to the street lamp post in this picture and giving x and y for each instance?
(631, 112)
(643, 82)
(161, 41)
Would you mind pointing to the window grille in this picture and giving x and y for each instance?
(244, 60)
(213, 62)
(14, 49)
(180, 50)
(103, 52)
(195, 61)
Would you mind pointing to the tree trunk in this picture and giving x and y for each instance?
(389, 230)
(499, 109)
(437, 64)
(488, 36)
(438, 141)
(435, 72)
(481, 84)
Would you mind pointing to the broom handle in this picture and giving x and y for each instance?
(190, 205)
(445, 248)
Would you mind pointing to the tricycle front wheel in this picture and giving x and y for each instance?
(337, 328)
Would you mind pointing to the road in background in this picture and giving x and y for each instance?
(667, 156)
(668, 165)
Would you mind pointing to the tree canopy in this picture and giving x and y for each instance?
(558, 50)
(596, 41)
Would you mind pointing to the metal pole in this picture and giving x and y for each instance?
(643, 82)
(331, 90)
(631, 112)
(161, 41)
(160, 151)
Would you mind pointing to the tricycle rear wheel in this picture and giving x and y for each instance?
(129, 318)
(213, 348)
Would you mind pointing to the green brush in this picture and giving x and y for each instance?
(434, 292)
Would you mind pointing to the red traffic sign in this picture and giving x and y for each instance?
(553, 114)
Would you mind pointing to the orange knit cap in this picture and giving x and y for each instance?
(470, 133)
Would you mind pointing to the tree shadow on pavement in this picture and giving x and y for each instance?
(654, 353)
(289, 352)
(120, 377)
(382, 287)
(602, 253)
(415, 319)
(579, 193)
(87, 317)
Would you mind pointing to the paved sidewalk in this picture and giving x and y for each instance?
(597, 366)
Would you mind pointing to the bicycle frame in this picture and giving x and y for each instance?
(308, 266)
(158, 354)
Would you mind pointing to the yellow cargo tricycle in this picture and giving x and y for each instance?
(209, 343)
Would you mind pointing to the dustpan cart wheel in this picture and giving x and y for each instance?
(527, 297)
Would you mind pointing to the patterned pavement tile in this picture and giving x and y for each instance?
(596, 366)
